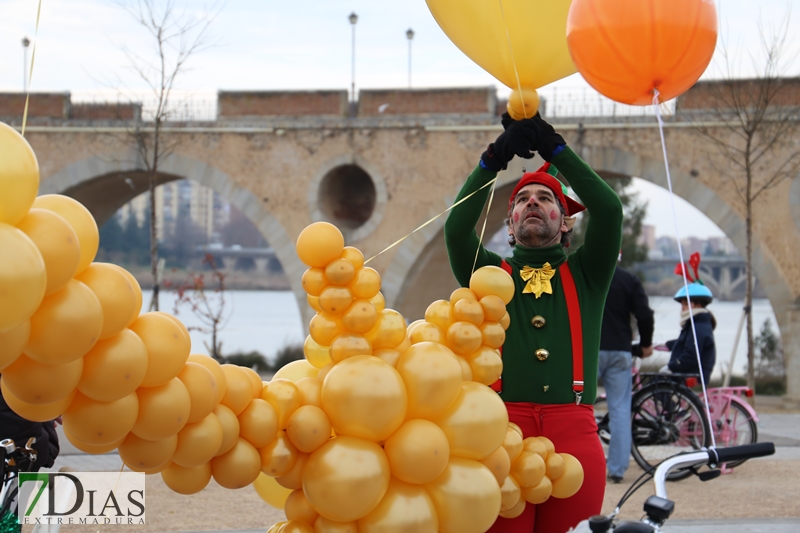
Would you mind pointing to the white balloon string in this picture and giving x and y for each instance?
(683, 264)
(398, 241)
(513, 61)
(483, 229)
(30, 74)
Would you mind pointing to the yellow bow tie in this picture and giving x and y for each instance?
(538, 279)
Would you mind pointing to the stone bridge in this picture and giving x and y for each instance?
(287, 159)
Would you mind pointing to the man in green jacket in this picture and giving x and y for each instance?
(550, 355)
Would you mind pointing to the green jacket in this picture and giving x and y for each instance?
(525, 378)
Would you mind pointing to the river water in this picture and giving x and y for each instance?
(265, 321)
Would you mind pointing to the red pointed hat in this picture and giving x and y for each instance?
(546, 176)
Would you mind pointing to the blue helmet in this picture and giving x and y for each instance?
(697, 292)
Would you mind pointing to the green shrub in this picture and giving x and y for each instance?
(253, 360)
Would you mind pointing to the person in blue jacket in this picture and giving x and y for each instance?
(683, 359)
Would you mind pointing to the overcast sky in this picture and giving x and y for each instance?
(298, 44)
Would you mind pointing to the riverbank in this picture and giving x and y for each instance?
(235, 280)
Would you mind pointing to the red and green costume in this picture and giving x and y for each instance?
(539, 393)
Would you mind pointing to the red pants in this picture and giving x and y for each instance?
(573, 430)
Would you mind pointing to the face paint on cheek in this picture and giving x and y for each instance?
(516, 217)
(553, 215)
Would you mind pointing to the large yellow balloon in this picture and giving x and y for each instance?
(58, 244)
(308, 428)
(389, 330)
(440, 313)
(33, 382)
(314, 281)
(202, 388)
(324, 328)
(81, 221)
(237, 468)
(269, 491)
(360, 317)
(279, 456)
(366, 284)
(197, 443)
(186, 480)
(364, 397)
(466, 496)
(114, 367)
(167, 347)
(23, 278)
(99, 423)
(432, 375)
(296, 370)
(486, 364)
(216, 369)
(230, 428)
(284, 397)
(464, 337)
(568, 484)
(258, 423)
(19, 175)
(163, 410)
(12, 342)
(492, 280)
(116, 294)
(140, 455)
(41, 412)
(319, 244)
(66, 325)
(346, 478)
(476, 422)
(417, 452)
(405, 507)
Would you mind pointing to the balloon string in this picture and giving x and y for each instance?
(483, 229)
(513, 60)
(683, 264)
(30, 74)
(398, 241)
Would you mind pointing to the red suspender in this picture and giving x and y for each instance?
(497, 386)
(575, 330)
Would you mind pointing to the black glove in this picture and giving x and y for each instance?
(519, 138)
(548, 140)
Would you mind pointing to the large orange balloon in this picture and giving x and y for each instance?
(405, 507)
(319, 244)
(41, 412)
(185, 480)
(258, 423)
(466, 496)
(476, 422)
(389, 330)
(237, 468)
(81, 221)
(626, 49)
(198, 442)
(23, 278)
(202, 387)
(98, 423)
(19, 175)
(216, 369)
(346, 478)
(308, 428)
(92, 448)
(296, 370)
(116, 294)
(571, 481)
(492, 281)
(167, 347)
(163, 410)
(432, 375)
(12, 342)
(114, 367)
(364, 397)
(58, 244)
(66, 325)
(230, 428)
(418, 452)
(140, 455)
(33, 382)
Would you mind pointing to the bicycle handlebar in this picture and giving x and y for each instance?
(737, 453)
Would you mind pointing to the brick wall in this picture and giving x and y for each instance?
(470, 100)
(717, 94)
(41, 105)
(235, 104)
(105, 111)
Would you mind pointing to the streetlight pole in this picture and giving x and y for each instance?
(25, 44)
(353, 19)
(410, 37)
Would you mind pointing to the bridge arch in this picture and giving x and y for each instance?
(105, 184)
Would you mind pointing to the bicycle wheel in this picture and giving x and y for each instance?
(601, 417)
(667, 419)
(734, 427)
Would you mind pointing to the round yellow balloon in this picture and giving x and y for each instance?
(284, 397)
(364, 397)
(308, 428)
(335, 300)
(317, 356)
(230, 428)
(360, 317)
(258, 423)
(466, 497)
(389, 330)
(540, 493)
(12, 343)
(440, 313)
(510, 493)
(201, 385)
(91, 448)
(33, 382)
(239, 391)
(185, 480)
(340, 271)
(499, 463)
(494, 281)
(405, 507)
(324, 328)
(523, 103)
(310, 391)
(293, 479)
(298, 507)
(237, 468)
(58, 244)
(528, 469)
(216, 370)
(314, 281)
(319, 244)
(140, 455)
(137, 291)
(366, 283)
(323, 525)
(296, 370)
(346, 478)
(349, 345)
(486, 365)
(279, 456)
(167, 347)
(417, 452)
(432, 375)
(269, 491)
(571, 481)
(197, 443)
(117, 296)
(81, 221)
(515, 511)
(99, 423)
(425, 331)
(493, 308)
(475, 423)
(19, 175)
(513, 443)
(464, 337)
(163, 410)
(114, 367)
(23, 278)
(468, 311)
(36, 412)
(353, 255)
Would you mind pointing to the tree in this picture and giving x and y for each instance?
(176, 37)
(750, 121)
(111, 235)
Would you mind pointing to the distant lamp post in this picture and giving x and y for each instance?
(25, 44)
(353, 20)
(410, 37)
